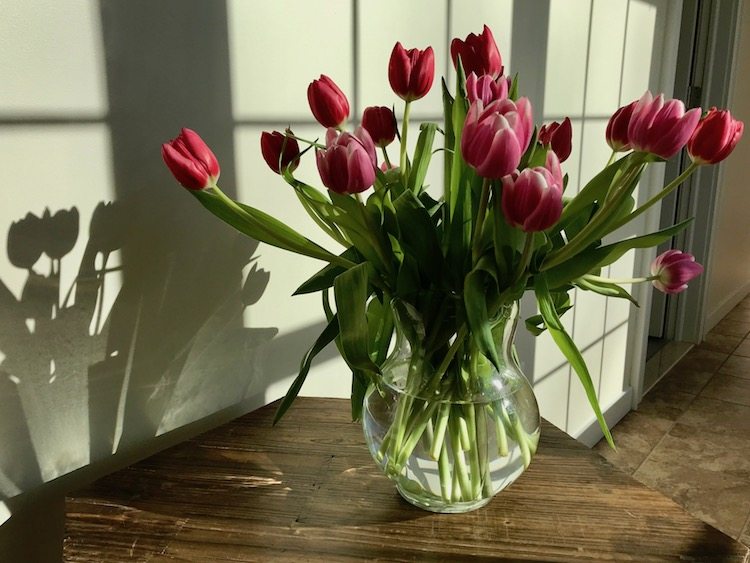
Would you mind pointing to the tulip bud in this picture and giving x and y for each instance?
(486, 88)
(495, 137)
(479, 54)
(617, 128)
(411, 72)
(191, 161)
(327, 102)
(715, 137)
(672, 270)
(279, 151)
(380, 123)
(347, 164)
(532, 200)
(559, 136)
(659, 127)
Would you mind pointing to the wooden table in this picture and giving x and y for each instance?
(307, 490)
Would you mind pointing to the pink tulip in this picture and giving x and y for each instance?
(617, 128)
(532, 200)
(479, 54)
(411, 72)
(327, 102)
(486, 88)
(659, 127)
(347, 164)
(191, 161)
(559, 136)
(279, 151)
(715, 137)
(380, 123)
(672, 270)
(495, 137)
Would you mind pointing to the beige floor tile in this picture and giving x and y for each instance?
(732, 328)
(721, 343)
(745, 535)
(701, 360)
(728, 388)
(739, 314)
(743, 349)
(682, 379)
(692, 468)
(718, 417)
(635, 437)
(738, 366)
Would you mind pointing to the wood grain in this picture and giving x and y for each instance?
(307, 490)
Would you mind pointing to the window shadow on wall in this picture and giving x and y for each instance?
(81, 381)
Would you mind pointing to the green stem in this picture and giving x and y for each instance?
(583, 238)
(476, 473)
(311, 143)
(385, 157)
(482, 447)
(501, 435)
(324, 226)
(668, 189)
(593, 278)
(481, 214)
(611, 158)
(460, 471)
(523, 264)
(404, 131)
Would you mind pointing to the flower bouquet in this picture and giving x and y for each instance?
(425, 291)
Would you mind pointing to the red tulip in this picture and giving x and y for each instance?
(532, 200)
(659, 127)
(380, 123)
(279, 151)
(191, 161)
(327, 102)
(617, 128)
(479, 54)
(347, 164)
(715, 137)
(559, 136)
(411, 72)
(495, 137)
(486, 88)
(672, 270)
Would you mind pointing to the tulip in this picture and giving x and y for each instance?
(347, 164)
(486, 88)
(617, 128)
(532, 200)
(479, 54)
(380, 123)
(659, 127)
(715, 137)
(495, 137)
(191, 161)
(411, 72)
(327, 102)
(559, 136)
(279, 151)
(671, 270)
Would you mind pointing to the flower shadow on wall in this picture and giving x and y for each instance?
(77, 376)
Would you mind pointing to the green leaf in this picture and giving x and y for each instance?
(449, 141)
(561, 301)
(359, 389)
(595, 258)
(326, 337)
(595, 190)
(260, 226)
(351, 290)
(568, 348)
(324, 278)
(422, 155)
(609, 289)
(380, 327)
(513, 91)
(417, 234)
(458, 116)
(478, 290)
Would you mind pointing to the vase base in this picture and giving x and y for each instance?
(435, 504)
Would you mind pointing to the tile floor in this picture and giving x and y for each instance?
(690, 437)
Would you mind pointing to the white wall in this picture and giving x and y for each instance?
(179, 323)
(729, 266)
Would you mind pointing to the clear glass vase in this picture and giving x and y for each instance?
(451, 437)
